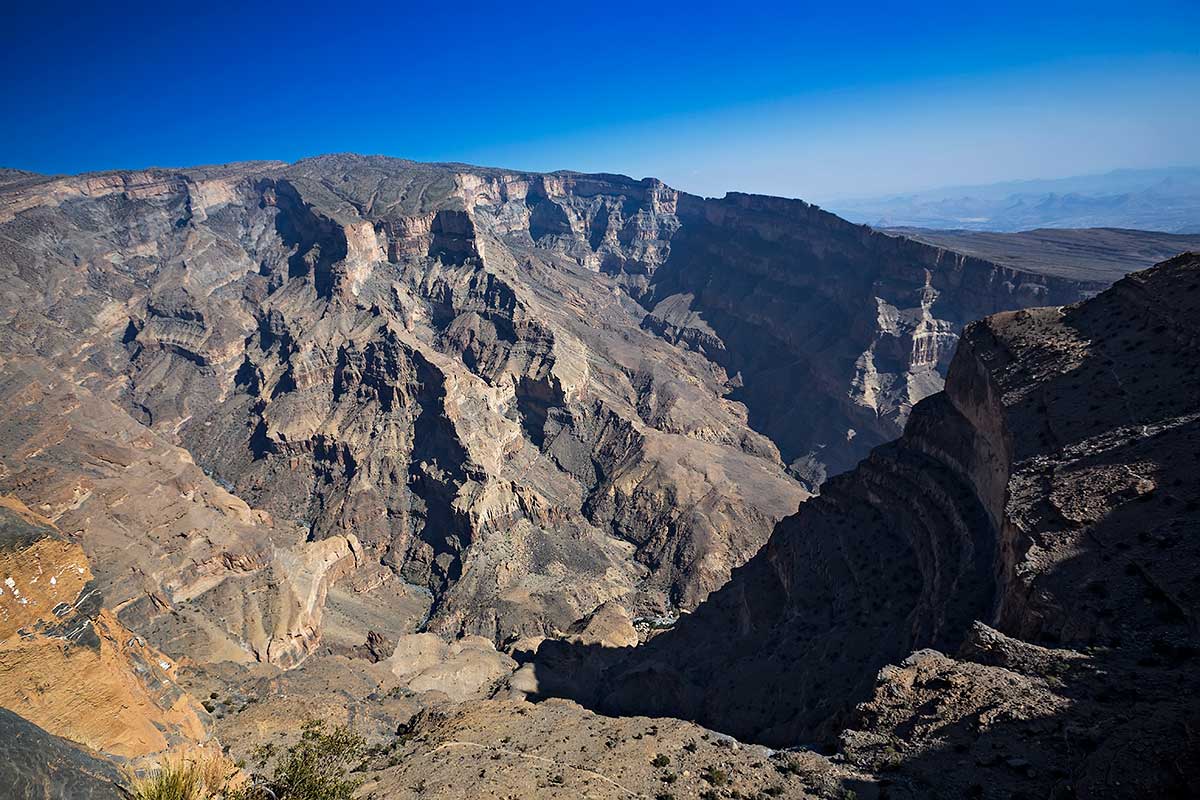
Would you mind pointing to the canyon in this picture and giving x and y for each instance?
(474, 454)
(1018, 570)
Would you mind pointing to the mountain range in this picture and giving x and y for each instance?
(1166, 199)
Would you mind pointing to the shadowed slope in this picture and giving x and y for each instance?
(1049, 492)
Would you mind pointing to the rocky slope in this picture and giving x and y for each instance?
(524, 395)
(1036, 524)
(832, 332)
(177, 558)
(346, 438)
(39, 765)
(68, 665)
(555, 749)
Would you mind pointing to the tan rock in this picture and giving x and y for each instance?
(67, 665)
(466, 668)
(608, 626)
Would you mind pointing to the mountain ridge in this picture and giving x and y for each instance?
(1019, 566)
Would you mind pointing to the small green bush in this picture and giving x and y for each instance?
(715, 775)
(318, 766)
(315, 768)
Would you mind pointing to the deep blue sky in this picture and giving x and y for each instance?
(843, 99)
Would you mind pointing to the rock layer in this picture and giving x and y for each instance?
(66, 663)
(524, 394)
(37, 764)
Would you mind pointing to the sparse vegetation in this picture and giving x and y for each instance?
(789, 766)
(317, 767)
(660, 761)
(200, 776)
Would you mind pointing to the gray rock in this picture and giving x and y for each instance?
(35, 765)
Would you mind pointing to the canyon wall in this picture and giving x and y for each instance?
(1001, 601)
(520, 395)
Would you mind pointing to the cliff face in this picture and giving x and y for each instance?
(178, 558)
(524, 394)
(833, 331)
(1036, 522)
(66, 662)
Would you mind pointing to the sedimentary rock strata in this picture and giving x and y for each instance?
(525, 394)
(68, 665)
(38, 764)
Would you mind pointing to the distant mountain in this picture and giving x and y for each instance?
(1081, 253)
(1147, 199)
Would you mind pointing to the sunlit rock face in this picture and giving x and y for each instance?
(525, 395)
(68, 665)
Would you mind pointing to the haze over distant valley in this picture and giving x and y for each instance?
(1165, 200)
(1088, 253)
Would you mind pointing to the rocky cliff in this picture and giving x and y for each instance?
(66, 662)
(347, 438)
(1000, 603)
(832, 332)
(523, 395)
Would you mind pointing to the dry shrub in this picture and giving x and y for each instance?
(200, 775)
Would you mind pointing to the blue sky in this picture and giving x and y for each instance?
(835, 100)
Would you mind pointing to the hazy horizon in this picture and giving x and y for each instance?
(914, 190)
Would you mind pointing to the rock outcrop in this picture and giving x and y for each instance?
(39, 765)
(67, 665)
(556, 749)
(832, 332)
(1032, 536)
(177, 558)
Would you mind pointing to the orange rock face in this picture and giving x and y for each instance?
(67, 664)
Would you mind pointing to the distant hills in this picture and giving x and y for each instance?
(1165, 200)
(1082, 254)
